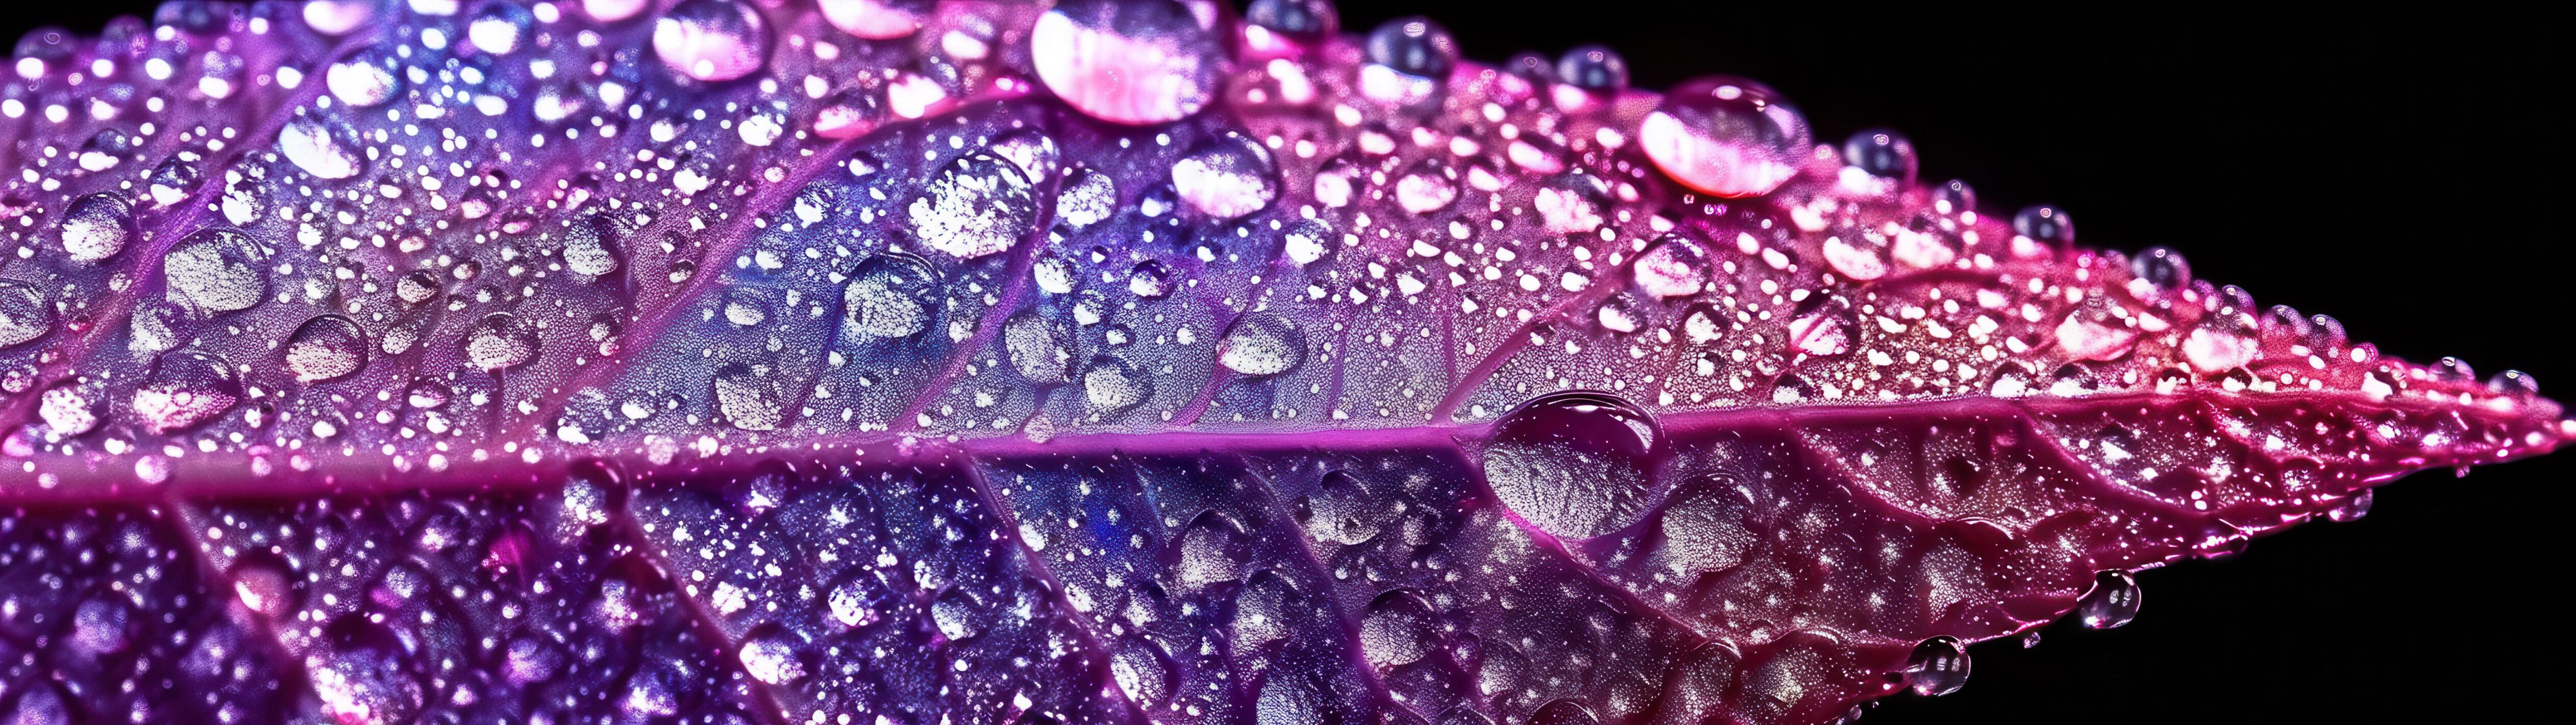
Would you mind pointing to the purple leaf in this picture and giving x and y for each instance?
(1126, 362)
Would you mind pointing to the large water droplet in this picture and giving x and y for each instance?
(96, 227)
(338, 17)
(1576, 464)
(886, 296)
(326, 348)
(1413, 46)
(1726, 136)
(1127, 61)
(979, 205)
(499, 28)
(1114, 386)
(877, 19)
(1040, 348)
(590, 246)
(1398, 629)
(1593, 68)
(24, 316)
(712, 40)
(215, 270)
(67, 409)
(1139, 670)
(749, 397)
(1881, 153)
(1261, 344)
(321, 149)
(184, 389)
(1939, 666)
(2113, 602)
(1213, 549)
(1226, 178)
(1340, 511)
(501, 341)
(1676, 266)
(2045, 224)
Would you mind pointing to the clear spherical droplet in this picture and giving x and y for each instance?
(1039, 347)
(501, 341)
(215, 270)
(1229, 177)
(1593, 68)
(2045, 224)
(1413, 46)
(1882, 153)
(1726, 136)
(2113, 602)
(1259, 344)
(24, 314)
(1939, 666)
(877, 19)
(2164, 269)
(979, 205)
(326, 348)
(96, 227)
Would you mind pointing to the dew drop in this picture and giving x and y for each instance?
(1303, 21)
(215, 270)
(1426, 188)
(979, 205)
(1881, 153)
(1040, 348)
(1259, 344)
(712, 40)
(590, 247)
(326, 348)
(1229, 177)
(321, 149)
(2515, 384)
(1212, 550)
(1138, 669)
(501, 341)
(2351, 508)
(338, 17)
(2044, 224)
(67, 409)
(1398, 629)
(1150, 279)
(24, 316)
(1576, 464)
(1113, 386)
(1953, 198)
(877, 19)
(1340, 511)
(749, 397)
(96, 227)
(1726, 136)
(499, 28)
(1676, 266)
(1413, 46)
(2162, 268)
(2113, 602)
(1939, 666)
(1127, 61)
(185, 388)
(1593, 68)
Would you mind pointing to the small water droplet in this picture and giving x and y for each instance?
(2045, 224)
(2515, 384)
(183, 389)
(1953, 198)
(1726, 136)
(1593, 68)
(1139, 670)
(2113, 602)
(1150, 279)
(1939, 666)
(2351, 508)
(2162, 268)
(1213, 549)
(1676, 266)
(324, 149)
(1413, 46)
(1881, 153)
(877, 19)
(749, 397)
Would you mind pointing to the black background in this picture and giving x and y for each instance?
(2399, 172)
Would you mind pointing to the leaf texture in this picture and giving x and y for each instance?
(905, 363)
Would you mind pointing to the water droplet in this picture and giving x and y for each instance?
(2113, 602)
(1306, 241)
(67, 409)
(1113, 386)
(1150, 279)
(1398, 629)
(1618, 314)
(1593, 68)
(1573, 203)
(749, 397)
(1953, 198)
(2351, 508)
(501, 341)
(1881, 153)
(1261, 344)
(96, 227)
(322, 149)
(1212, 550)
(877, 19)
(2515, 384)
(499, 28)
(1228, 177)
(326, 348)
(2045, 224)
(977, 206)
(2453, 370)
(590, 246)
(885, 297)
(771, 658)
(24, 316)
(1087, 198)
(712, 40)
(1562, 711)
(183, 389)
(1306, 22)
(1676, 266)
(338, 17)
(1426, 188)
(1825, 331)
(1139, 670)
(1939, 666)
(215, 270)
(1127, 61)
(1340, 511)
(1040, 348)
(1576, 464)
(1726, 136)
(1413, 46)
(2162, 268)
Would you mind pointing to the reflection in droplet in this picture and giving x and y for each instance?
(321, 149)
(501, 341)
(749, 396)
(183, 389)
(1114, 386)
(1397, 630)
(1040, 348)
(1939, 666)
(1261, 344)
(326, 348)
(215, 270)
(24, 316)
(1227, 178)
(712, 40)
(979, 205)
(96, 227)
